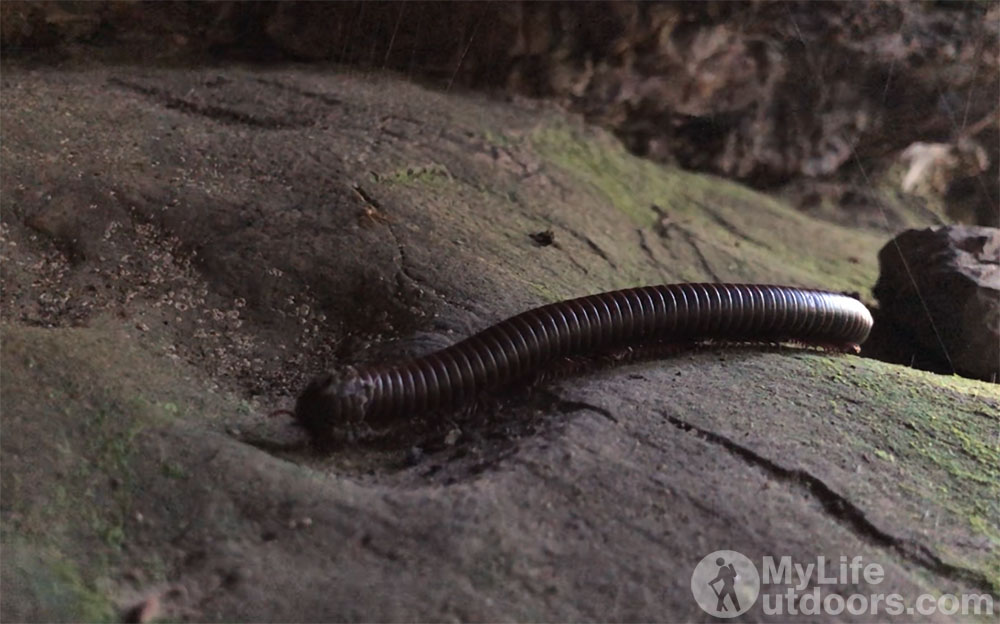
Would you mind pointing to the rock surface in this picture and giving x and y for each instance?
(183, 248)
(941, 288)
(766, 93)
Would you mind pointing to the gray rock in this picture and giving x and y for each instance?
(183, 247)
(946, 294)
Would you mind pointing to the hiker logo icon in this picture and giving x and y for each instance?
(725, 584)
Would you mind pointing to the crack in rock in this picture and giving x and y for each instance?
(662, 228)
(586, 240)
(404, 270)
(566, 406)
(840, 508)
(209, 111)
(722, 222)
(644, 246)
(329, 100)
(572, 258)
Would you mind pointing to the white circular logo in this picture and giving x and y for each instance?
(725, 584)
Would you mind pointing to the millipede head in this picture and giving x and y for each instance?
(333, 403)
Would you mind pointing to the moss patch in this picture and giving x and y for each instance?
(46, 586)
(72, 460)
(942, 433)
(741, 234)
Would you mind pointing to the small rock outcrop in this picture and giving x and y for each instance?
(941, 286)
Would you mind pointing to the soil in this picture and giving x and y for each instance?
(182, 249)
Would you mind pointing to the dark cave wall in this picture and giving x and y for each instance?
(763, 92)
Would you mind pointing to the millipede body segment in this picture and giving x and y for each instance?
(526, 343)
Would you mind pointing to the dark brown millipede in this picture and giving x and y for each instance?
(526, 343)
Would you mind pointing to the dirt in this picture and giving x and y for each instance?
(184, 248)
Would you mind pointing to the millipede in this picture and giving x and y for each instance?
(587, 326)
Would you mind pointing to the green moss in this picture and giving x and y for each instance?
(172, 470)
(741, 234)
(883, 455)
(602, 163)
(72, 497)
(49, 587)
(496, 138)
(428, 175)
(938, 428)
